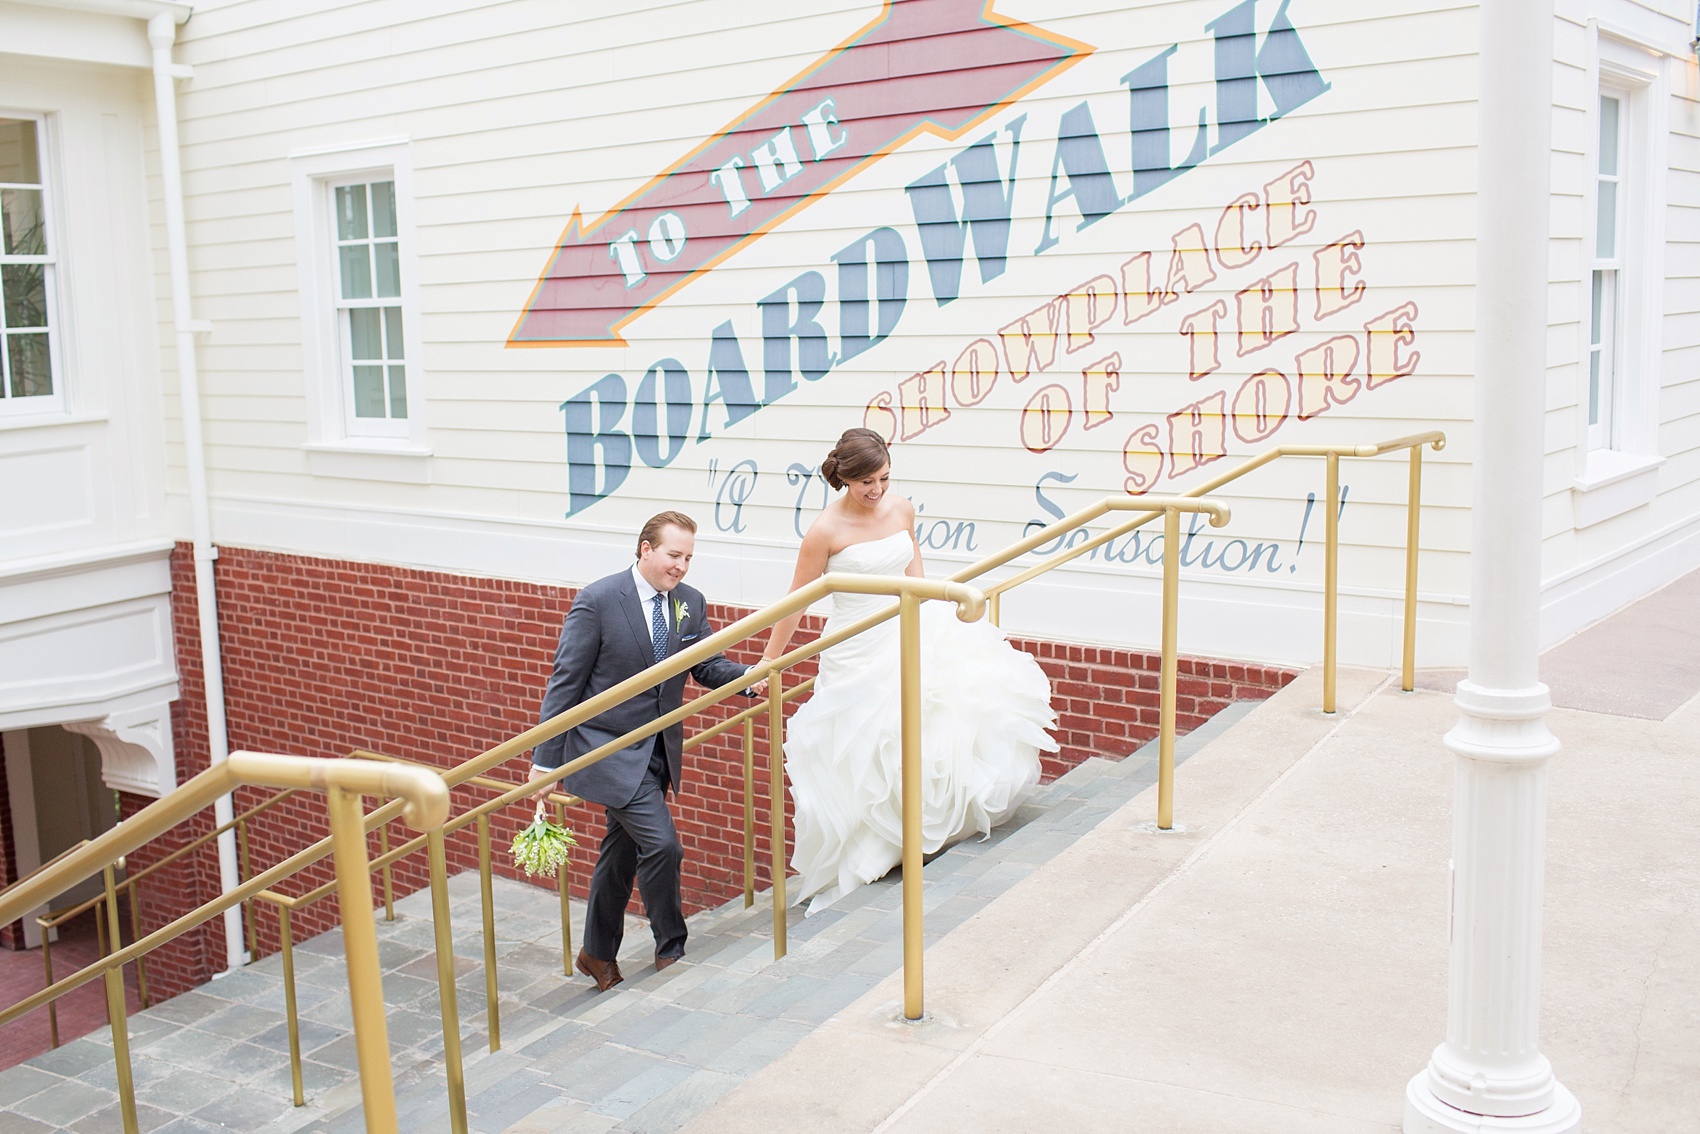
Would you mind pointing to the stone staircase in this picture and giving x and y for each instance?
(645, 1056)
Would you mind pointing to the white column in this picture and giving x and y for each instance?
(1490, 1074)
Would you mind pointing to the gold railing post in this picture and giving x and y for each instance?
(447, 996)
(776, 803)
(1331, 583)
(909, 611)
(994, 608)
(118, 1012)
(749, 812)
(492, 1009)
(47, 966)
(286, 946)
(1170, 670)
(563, 882)
(245, 871)
(1413, 509)
(136, 935)
(360, 945)
(389, 874)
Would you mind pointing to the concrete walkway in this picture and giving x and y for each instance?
(1279, 962)
(1276, 963)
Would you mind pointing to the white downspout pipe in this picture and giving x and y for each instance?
(162, 33)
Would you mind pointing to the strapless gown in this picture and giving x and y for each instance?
(985, 709)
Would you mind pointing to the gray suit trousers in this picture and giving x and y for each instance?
(640, 845)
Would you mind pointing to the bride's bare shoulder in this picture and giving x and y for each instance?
(825, 532)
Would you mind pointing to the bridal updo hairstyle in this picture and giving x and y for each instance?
(859, 453)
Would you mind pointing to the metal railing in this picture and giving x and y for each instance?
(909, 592)
(424, 802)
(1146, 510)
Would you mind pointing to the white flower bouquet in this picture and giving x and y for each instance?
(542, 847)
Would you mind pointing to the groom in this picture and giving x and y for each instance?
(616, 628)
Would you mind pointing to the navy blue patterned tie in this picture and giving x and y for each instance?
(658, 629)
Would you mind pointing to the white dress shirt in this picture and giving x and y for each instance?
(646, 601)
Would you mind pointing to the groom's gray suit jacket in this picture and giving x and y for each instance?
(605, 640)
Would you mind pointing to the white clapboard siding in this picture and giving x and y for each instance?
(516, 114)
(1591, 568)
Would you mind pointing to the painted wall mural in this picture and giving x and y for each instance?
(938, 323)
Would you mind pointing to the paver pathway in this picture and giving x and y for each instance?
(646, 1056)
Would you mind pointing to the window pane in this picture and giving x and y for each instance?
(22, 223)
(392, 335)
(19, 157)
(351, 212)
(25, 287)
(383, 208)
(1599, 307)
(1610, 108)
(1605, 241)
(32, 373)
(1594, 386)
(356, 271)
(368, 391)
(389, 269)
(363, 333)
(398, 391)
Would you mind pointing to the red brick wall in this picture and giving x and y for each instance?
(322, 657)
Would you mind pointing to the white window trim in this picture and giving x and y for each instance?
(1611, 481)
(56, 406)
(331, 449)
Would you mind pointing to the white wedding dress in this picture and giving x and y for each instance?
(985, 709)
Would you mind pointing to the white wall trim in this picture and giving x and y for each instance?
(135, 748)
(89, 559)
(1583, 595)
(1611, 484)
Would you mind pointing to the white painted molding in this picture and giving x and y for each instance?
(357, 460)
(135, 749)
(1611, 484)
(83, 560)
(133, 9)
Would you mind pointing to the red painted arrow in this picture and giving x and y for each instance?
(937, 66)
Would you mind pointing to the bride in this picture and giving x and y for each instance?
(985, 704)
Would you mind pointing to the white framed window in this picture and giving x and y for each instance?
(31, 378)
(371, 325)
(1605, 280)
(360, 311)
(1622, 277)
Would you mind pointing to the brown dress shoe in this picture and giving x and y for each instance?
(662, 962)
(606, 974)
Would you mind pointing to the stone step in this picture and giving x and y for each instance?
(645, 1056)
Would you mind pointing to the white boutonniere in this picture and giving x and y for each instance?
(681, 611)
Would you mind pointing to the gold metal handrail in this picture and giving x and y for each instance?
(472, 772)
(1146, 509)
(287, 904)
(130, 886)
(424, 803)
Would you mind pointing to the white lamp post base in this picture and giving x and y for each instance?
(1425, 1114)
